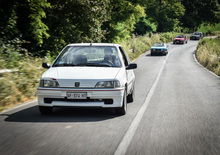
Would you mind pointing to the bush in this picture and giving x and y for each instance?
(208, 54)
(209, 29)
(19, 86)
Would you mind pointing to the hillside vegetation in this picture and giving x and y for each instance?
(208, 54)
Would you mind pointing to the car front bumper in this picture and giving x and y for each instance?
(57, 97)
(194, 38)
(159, 51)
(178, 41)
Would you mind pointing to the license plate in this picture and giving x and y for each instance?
(76, 95)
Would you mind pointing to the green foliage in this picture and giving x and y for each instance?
(166, 13)
(200, 11)
(37, 28)
(208, 54)
(10, 53)
(75, 21)
(123, 17)
(144, 26)
(209, 28)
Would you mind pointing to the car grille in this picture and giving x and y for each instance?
(50, 100)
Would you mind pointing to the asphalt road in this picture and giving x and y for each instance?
(182, 116)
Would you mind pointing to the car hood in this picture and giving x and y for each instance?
(87, 76)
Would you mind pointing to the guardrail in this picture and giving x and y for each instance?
(2, 71)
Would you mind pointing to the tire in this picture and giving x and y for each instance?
(45, 110)
(130, 97)
(152, 54)
(122, 110)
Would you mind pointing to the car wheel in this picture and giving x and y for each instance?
(122, 110)
(130, 97)
(45, 110)
(152, 54)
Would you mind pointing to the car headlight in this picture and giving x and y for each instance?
(49, 83)
(108, 84)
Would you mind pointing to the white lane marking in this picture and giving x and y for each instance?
(18, 106)
(122, 147)
(194, 56)
(68, 127)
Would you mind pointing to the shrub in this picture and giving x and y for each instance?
(208, 54)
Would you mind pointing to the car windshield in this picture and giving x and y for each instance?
(96, 56)
(180, 36)
(196, 33)
(158, 45)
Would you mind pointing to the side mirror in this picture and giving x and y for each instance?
(45, 65)
(131, 66)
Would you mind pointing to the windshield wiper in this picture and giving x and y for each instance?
(94, 64)
(60, 65)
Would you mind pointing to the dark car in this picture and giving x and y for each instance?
(180, 39)
(196, 36)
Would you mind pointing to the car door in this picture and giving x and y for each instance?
(130, 73)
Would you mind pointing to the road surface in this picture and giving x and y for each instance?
(176, 111)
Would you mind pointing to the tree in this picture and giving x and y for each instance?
(123, 17)
(200, 11)
(145, 25)
(72, 21)
(166, 13)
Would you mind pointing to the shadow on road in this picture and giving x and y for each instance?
(155, 55)
(61, 115)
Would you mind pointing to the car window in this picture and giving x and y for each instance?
(101, 56)
(125, 57)
(180, 36)
(159, 44)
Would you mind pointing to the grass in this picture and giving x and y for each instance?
(20, 86)
(208, 54)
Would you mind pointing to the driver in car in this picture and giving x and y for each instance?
(109, 57)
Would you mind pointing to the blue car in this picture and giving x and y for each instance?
(159, 48)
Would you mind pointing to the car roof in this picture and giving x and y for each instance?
(94, 44)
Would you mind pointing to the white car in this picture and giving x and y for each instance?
(88, 75)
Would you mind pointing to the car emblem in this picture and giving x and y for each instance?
(77, 84)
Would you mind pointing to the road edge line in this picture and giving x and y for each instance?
(196, 60)
(18, 106)
(126, 140)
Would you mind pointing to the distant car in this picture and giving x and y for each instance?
(180, 39)
(159, 48)
(88, 75)
(196, 36)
